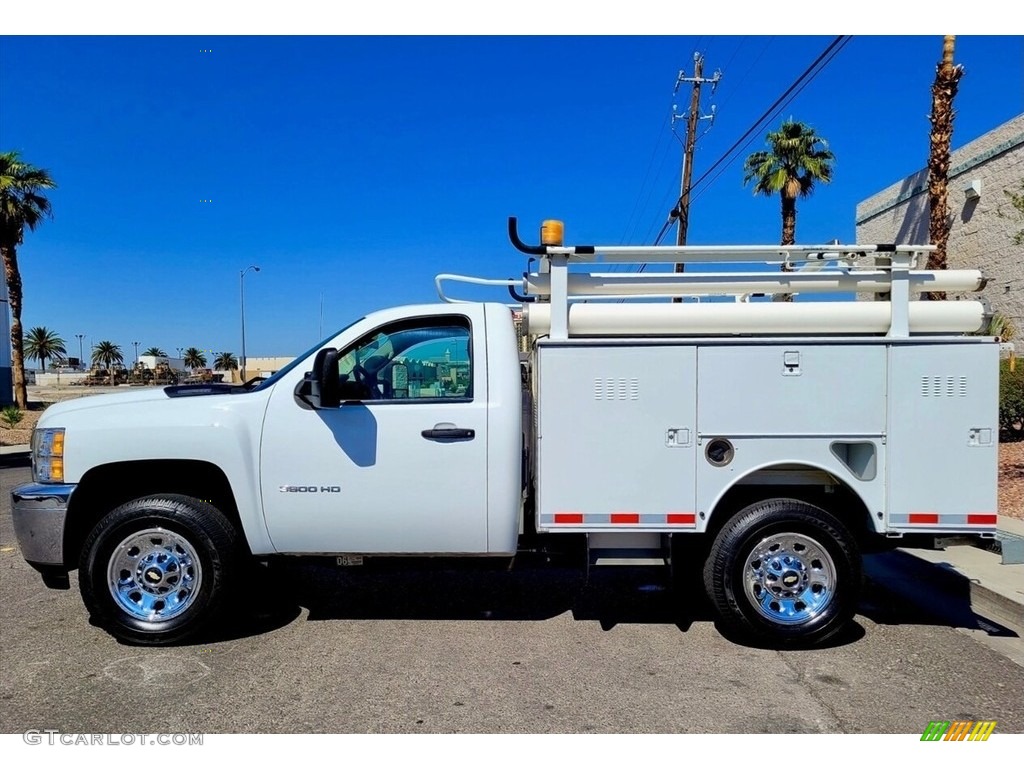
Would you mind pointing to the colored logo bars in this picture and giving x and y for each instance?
(958, 730)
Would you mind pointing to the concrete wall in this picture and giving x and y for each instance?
(982, 229)
(63, 379)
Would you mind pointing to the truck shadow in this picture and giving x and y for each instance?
(14, 461)
(902, 589)
(534, 588)
(537, 587)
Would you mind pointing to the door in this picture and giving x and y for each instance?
(403, 471)
(617, 437)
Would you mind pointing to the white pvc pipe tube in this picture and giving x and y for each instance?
(758, 318)
(724, 283)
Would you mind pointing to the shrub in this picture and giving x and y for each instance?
(1011, 400)
(11, 416)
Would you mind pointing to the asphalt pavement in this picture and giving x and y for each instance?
(534, 649)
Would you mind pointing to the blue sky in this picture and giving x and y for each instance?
(359, 167)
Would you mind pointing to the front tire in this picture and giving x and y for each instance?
(155, 570)
(784, 572)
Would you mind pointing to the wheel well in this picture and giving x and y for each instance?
(829, 492)
(108, 486)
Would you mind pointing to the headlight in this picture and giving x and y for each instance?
(48, 455)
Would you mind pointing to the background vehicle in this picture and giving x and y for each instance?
(204, 376)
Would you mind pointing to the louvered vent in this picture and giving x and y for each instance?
(616, 389)
(943, 386)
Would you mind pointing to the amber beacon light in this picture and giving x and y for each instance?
(552, 232)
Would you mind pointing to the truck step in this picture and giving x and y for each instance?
(632, 557)
(631, 549)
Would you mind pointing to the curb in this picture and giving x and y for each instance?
(940, 586)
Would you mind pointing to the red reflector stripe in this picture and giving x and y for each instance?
(625, 518)
(568, 517)
(682, 518)
(924, 518)
(982, 519)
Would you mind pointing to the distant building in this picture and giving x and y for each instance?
(255, 367)
(6, 376)
(985, 224)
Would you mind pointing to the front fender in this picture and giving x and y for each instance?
(223, 430)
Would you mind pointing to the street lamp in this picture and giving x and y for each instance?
(80, 336)
(241, 292)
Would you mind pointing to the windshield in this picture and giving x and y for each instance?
(300, 359)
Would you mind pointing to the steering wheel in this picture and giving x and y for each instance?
(362, 376)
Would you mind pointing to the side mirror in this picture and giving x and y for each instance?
(353, 390)
(326, 392)
(323, 388)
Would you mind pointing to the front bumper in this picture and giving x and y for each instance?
(39, 512)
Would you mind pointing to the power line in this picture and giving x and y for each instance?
(670, 190)
(742, 78)
(775, 115)
(807, 75)
(768, 113)
(664, 230)
(630, 222)
(634, 220)
(734, 53)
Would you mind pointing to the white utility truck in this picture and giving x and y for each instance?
(777, 439)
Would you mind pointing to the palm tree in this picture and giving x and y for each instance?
(947, 79)
(107, 353)
(22, 204)
(225, 361)
(155, 352)
(42, 344)
(194, 358)
(796, 159)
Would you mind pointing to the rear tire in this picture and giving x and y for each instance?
(155, 570)
(785, 573)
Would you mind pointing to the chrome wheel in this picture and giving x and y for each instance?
(157, 570)
(154, 575)
(785, 573)
(789, 578)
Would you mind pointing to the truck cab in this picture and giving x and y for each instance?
(420, 453)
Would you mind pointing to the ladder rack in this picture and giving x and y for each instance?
(553, 297)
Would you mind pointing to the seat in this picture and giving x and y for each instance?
(372, 366)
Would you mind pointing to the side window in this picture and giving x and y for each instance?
(425, 359)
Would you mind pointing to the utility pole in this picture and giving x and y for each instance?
(241, 292)
(682, 210)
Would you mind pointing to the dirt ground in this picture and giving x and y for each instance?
(1011, 455)
(1011, 479)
